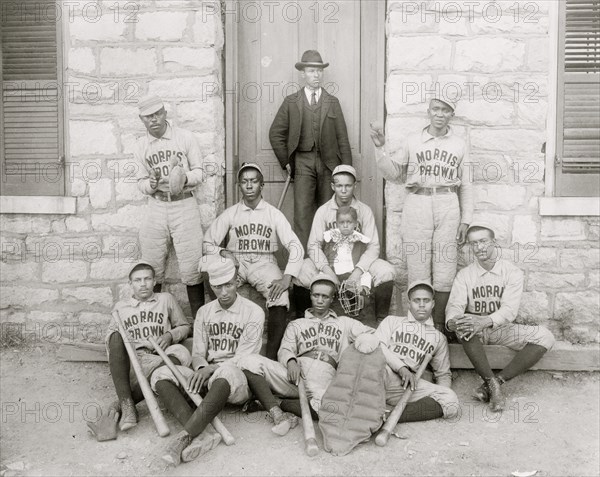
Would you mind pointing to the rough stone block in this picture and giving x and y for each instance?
(411, 20)
(78, 187)
(487, 110)
(404, 90)
(533, 113)
(508, 140)
(499, 197)
(47, 316)
(22, 297)
(561, 229)
(578, 312)
(89, 295)
(206, 116)
(419, 53)
(25, 224)
(83, 204)
(110, 268)
(194, 87)
(535, 257)
(124, 291)
(525, 230)
(128, 191)
(474, 55)
(19, 271)
(179, 291)
(12, 248)
(454, 27)
(534, 308)
(121, 61)
(82, 60)
(96, 27)
(545, 280)
(95, 318)
(127, 218)
(499, 23)
(578, 259)
(9, 317)
(101, 193)
(181, 58)
(92, 137)
(163, 26)
(58, 226)
(122, 248)
(208, 29)
(64, 271)
(76, 224)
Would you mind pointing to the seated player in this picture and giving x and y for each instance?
(405, 342)
(225, 330)
(254, 229)
(483, 304)
(144, 314)
(311, 349)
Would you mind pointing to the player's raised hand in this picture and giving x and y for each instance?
(407, 378)
(377, 134)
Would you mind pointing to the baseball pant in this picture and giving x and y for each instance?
(312, 188)
(260, 275)
(429, 225)
(444, 396)
(515, 336)
(380, 270)
(178, 221)
(317, 374)
(239, 391)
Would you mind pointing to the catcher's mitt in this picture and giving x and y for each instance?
(177, 177)
(351, 298)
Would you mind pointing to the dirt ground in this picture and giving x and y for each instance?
(550, 426)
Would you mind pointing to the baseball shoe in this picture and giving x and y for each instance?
(129, 415)
(482, 393)
(252, 405)
(496, 397)
(284, 421)
(200, 445)
(176, 447)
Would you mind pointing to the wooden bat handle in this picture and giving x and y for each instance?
(157, 416)
(284, 192)
(310, 441)
(217, 424)
(384, 434)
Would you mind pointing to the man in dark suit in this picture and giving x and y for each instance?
(309, 138)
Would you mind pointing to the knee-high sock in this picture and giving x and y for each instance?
(211, 406)
(275, 330)
(174, 400)
(522, 361)
(474, 350)
(422, 410)
(119, 364)
(439, 311)
(382, 294)
(260, 388)
(301, 300)
(195, 295)
(293, 406)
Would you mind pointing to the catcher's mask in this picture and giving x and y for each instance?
(350, 297)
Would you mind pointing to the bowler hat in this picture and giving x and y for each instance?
(311, 58)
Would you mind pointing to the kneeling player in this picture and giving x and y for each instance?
(144, 314)
(225, 330)
(405, 343)
(483, 304)
(311, 349)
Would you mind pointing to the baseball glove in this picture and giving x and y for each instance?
(177, 178)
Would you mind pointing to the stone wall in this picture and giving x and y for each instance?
(60, 275)
(495, 56)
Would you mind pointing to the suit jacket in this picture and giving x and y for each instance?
(284, 134)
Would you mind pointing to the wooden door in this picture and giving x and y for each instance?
(263, 42)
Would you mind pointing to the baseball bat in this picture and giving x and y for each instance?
(310, 441)
(284, 192)
(384, 434)
(217, 424)
(159, 420)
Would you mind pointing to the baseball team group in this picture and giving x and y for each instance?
(197, 366)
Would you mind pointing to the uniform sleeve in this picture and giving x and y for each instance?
(465, 193)
(440, 362)
(511, 298)
(370, 230)
(250, 341)
(316, 241)
(289, 345)
(391, 169)
(278, 134)
(200, 346)
(195, 174)
(366, 279)
(290, 241)
(180, 327)
(216, 233)
(383, 333)
(459, 296)
(143, 169)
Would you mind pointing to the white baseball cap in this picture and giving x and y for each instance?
(249, 165)
(345, 168)
(322, 277)
(445, 100)
(150, 104)
(220, 271)
(417, 283)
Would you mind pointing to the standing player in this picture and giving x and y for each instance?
(405, 342)
(483, 305)
(144, 314)
(343, 183)
(170, 167)
(254, 229)
(439, 203)
(311, 348)
(309, 138)
(226, 329)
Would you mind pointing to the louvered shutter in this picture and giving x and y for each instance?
(32, 114)
(578, 127)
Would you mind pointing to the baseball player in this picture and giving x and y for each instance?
(343, 183)
(483, 305)
(439, 203)
(311, 348)
(254, 229)
(309, 138)
(170, 167)
(144, 314)
(226, 329)
(405, 342)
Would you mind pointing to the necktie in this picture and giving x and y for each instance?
(313, 99)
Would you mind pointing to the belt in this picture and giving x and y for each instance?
(435, 190)
(168, 197)
(320, 356)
